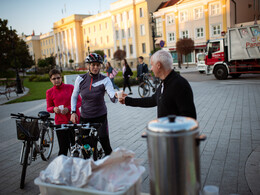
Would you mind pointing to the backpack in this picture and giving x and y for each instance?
(131, 72)
(113, 73)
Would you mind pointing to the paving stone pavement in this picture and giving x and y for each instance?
(228, 113)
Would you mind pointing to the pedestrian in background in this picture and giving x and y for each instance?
(141, 68)
(127, 73)
(111, 73)
(174, 96)
(58, 101)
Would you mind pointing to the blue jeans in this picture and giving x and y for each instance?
(114, 85)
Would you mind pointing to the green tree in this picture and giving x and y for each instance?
(42, 63)
(184, 47)
(14, 52)
(100, 52)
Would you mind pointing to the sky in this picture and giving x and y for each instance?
(39, 15)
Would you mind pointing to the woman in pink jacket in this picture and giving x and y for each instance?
(58, 102)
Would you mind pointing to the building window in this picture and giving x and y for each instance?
(184, 34)
(107, 39)
(170, 19)
(124, 47)
(129, 32)
(183, 16)
(123, 33)
(95, 41)
(108, 53)
(141, 12)
(117, 35)
(214, 9)
(171, 37)
(52, 41)
(127, 15)
(142, 29)
(216, 30)
(94, 28)
(131, 49)
(46, 42)
(84, 31)
(118, 47)
(89, 30)
(158, 26)
(199, 32)
(106, 25)
(198, 13)
(100, 26)
(101, 40)
(143, 48)
(121, 17)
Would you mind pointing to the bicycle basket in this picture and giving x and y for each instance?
(27, 130)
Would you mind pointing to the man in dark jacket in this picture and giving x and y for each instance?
(174, 95)
(141, 68)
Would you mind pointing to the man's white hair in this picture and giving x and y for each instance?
(164, 57)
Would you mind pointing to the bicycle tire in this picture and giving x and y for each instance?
(25, 163)
(46, 143)
(144, 89)
(98, 152)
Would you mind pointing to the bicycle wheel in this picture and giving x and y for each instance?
(25, 162)
(144, 89)
(46, 143)
(98, 152)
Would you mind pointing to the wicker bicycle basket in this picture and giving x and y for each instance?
(27, 130)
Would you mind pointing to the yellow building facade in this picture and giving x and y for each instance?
(47, 45)
(34, 47)
(200, 20)
(68, 39)
(125, 26)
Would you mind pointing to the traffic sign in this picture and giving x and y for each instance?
(162, 42)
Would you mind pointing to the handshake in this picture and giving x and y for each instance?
(120, 95)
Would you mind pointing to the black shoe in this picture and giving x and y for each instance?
(130, 93)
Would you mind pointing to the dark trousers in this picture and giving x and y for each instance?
(65, 139)
(127, 84)
(102, 131)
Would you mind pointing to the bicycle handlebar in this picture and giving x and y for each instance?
(77, 126)
(22, 116)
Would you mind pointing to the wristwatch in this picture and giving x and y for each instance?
(73, 112)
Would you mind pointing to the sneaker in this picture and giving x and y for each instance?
(130, 93)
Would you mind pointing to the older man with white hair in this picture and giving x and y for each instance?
(174, 95)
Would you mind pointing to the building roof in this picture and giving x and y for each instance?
(167, 4)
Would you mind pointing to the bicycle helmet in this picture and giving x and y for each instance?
(93, 57)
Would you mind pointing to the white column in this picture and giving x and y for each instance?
(120, 33)
(126, 35)
(56, 48)
(63, 49)
(114, 33)
(76, 45)
(131, 17)
(71, 45)
(59, 46)
(67, 46)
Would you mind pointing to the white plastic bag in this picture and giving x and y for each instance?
(116, 172)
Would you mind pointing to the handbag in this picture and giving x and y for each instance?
(113, 74)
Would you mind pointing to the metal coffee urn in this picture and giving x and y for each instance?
(174, 158)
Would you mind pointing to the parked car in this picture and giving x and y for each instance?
(34, 69)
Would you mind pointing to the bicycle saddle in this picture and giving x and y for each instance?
(43, 115)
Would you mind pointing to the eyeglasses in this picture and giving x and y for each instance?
(97, 65)
(55, 78)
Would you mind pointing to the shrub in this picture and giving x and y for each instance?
(39, 78)
(8, 74)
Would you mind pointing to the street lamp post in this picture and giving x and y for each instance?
(88, 46)
(18, 80)
(153, 29)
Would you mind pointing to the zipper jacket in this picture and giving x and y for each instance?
(92, 90)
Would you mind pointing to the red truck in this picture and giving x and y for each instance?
(237, 53)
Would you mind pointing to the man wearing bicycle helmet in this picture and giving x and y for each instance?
(92, 87)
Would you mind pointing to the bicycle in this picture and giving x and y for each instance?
(37, 137)
(144, 88)
(87, 143)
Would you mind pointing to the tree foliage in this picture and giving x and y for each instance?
(100, 52)
(14, 52)
(119, 55)
(185, 46)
